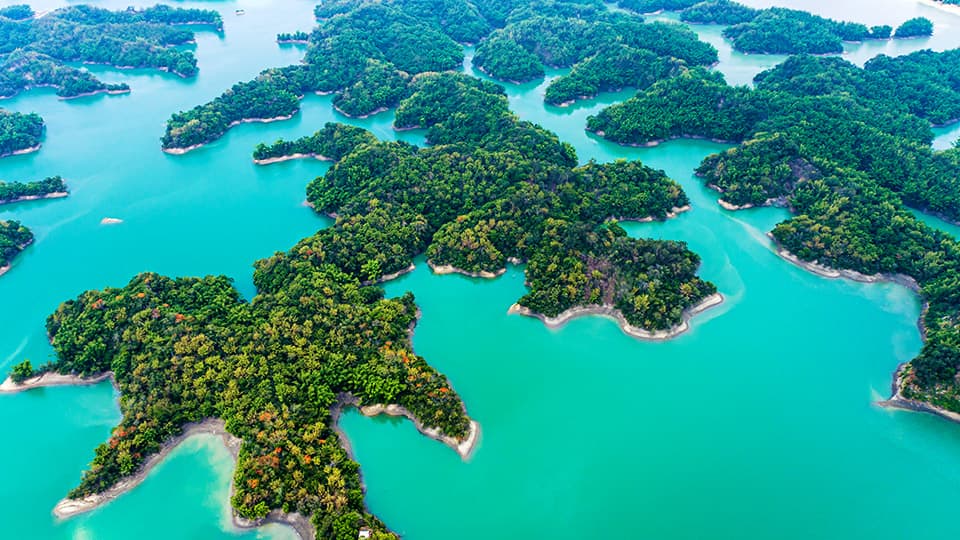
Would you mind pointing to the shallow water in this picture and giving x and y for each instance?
(758, 423)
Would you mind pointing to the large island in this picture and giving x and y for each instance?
(271, 375)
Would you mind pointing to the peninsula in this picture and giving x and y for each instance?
(325, 333)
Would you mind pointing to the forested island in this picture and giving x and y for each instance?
(19, 133)
(778, 30)
(48, 188)
(34, 50)
(320, 335)
(846, 150)
(14, 237)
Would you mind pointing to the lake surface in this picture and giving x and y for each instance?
(759, 423)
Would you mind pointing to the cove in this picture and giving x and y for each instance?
(758, 423)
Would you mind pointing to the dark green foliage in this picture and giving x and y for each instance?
(18, 12)
(366, 54)
(380, 87)
(13, 238)
(719, 12)
(19, 131)
(613, 68)
(24, 70)
(274, 93)
(778, 30)
(917, 27)
(650, 6)
(332, 142)
(519, 51)
(696, 103)
(12, 191)
(21, 371)
(295, 37)
(319, 329)
(480, 197)
(128, 38)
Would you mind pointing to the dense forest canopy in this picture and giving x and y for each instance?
(33, 50)
(846, 149)
(19, 132)
(491, 188)
(368, 54)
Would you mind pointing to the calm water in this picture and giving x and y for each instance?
(759, 423)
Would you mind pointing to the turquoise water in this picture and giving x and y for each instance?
(758, 423)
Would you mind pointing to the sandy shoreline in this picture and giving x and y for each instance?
(52, 379)
(378, 110)
(464, 448)
(609, 311)
(445, 269)
(387, 277)
(832, 273)
(658, 142)
(22, 151)
(95, 93)
(53, 195)
(290, 157)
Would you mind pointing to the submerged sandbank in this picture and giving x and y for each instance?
(611, 312)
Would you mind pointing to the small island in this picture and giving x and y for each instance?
(49, 188)
(299, 38)
(19, 133)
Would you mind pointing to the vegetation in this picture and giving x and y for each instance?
(520, 51)
(276, 369)
(846, 150)
(917, 27)
(17, 12)
(332, 142)
(25, 70)
(19, 132)
(366, 55)
(295, 37)
(21, 371)
(776, 30)
(33, 51)
(14, 191)
(612, 68)
(13, 238)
